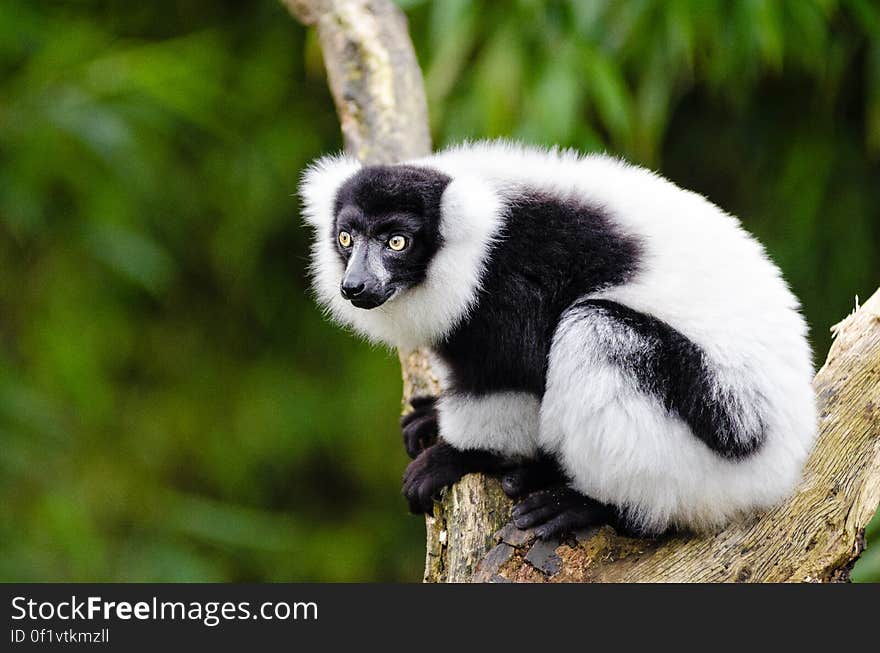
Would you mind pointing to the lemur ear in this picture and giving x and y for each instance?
(319, 185)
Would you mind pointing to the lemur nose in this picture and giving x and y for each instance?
(352, 289)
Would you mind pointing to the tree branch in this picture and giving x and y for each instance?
(373, 75)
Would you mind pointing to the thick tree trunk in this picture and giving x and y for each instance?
(815, 536)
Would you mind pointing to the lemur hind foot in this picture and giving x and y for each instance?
(559, 510)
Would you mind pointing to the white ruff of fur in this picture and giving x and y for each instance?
(700, 273)
(471, 219)
(504, 422)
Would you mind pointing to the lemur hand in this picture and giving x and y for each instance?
(435, 468)
(420, 426)
(441, 465)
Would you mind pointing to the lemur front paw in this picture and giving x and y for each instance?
(557, 510)
(437, 467)
(420, 426)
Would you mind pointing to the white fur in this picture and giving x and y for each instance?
(504, 422)
(622, 446)
(701, 274)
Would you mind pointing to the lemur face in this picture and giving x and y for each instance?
(386, 231)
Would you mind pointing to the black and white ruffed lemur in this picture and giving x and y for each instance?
(616, 348)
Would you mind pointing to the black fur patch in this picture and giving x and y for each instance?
(552, 252)
(532, 475)
(674, 369)
(378, 202)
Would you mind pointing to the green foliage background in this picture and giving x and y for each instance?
(172, 404)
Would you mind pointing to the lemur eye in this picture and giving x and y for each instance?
(397, 243)
(345, 239)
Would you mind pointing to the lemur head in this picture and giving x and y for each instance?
(398, 250)
(387, 230)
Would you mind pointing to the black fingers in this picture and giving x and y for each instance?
(433, 469)
(419, 434)
(420, 425)
(539, 506)
(571, 520)
(425, 479)
(439, 466)
(557, 510)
